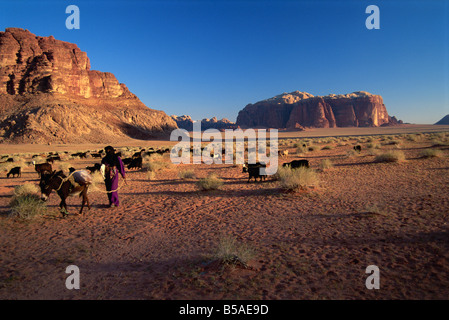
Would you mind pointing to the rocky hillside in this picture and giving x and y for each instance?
(301, 109)
(444, 120)
(186, 122)
(48, 93)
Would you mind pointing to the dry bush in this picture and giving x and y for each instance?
(326, 164)
(26, 203)
(390, 156)
(373, 146)
(211, 182)
(431, 153)
(301, 149)
(230, 252)
(296, 179)
(186, 174)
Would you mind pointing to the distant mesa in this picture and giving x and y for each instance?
(300, 110)
(444, 120)
(186, 122)
(48, 93)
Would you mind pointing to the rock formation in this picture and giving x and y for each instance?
(444, 120)
(301, 109)
(49, 94)
(186, 122)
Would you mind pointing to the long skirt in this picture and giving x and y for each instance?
(112, 184)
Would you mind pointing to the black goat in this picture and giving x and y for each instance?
(297, 164)
(14, 171)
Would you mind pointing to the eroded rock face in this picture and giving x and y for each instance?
(358, 109)
(186, 122)
(48, 93)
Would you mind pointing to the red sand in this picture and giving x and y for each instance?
(159, 243)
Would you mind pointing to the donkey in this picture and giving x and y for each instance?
(58, 181)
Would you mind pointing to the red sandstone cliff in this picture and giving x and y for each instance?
(49, 94)
(358, 109)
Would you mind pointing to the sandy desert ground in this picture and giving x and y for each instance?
(160, 243)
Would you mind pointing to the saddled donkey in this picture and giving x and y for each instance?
(64, 187)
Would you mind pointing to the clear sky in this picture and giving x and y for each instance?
(210, 58)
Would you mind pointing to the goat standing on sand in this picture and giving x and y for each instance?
(254, 171)
(296, 164)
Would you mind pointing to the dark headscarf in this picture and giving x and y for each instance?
(111, 158)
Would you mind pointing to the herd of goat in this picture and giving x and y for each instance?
(135, 162)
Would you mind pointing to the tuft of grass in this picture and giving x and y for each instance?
(431, 153)
(211, 182)
(296, 179)
(390, 156)
(26, 203)
(373, 146)
(186, 174)
(230, 252)
(326, 164)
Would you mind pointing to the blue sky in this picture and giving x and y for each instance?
(211, 58)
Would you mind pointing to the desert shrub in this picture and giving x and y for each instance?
(156, 165)
(373, 146)
(230, 252)
(392, 143)
(326, 164)
(211, 182)
(152, 166)
(26, 203)
(439, 143)
(186, 174)
(301, 150)
(431, 153)
(390, 156)
(296, 179)
(6, 166)
(327, 147)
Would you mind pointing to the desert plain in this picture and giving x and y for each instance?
(165, 239)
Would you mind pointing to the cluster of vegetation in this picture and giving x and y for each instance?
(296, 179)
(230, 252)
(26, 203)
(211, 182)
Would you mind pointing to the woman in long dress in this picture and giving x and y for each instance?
(113, 165)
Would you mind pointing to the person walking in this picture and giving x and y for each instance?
(112, 165)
